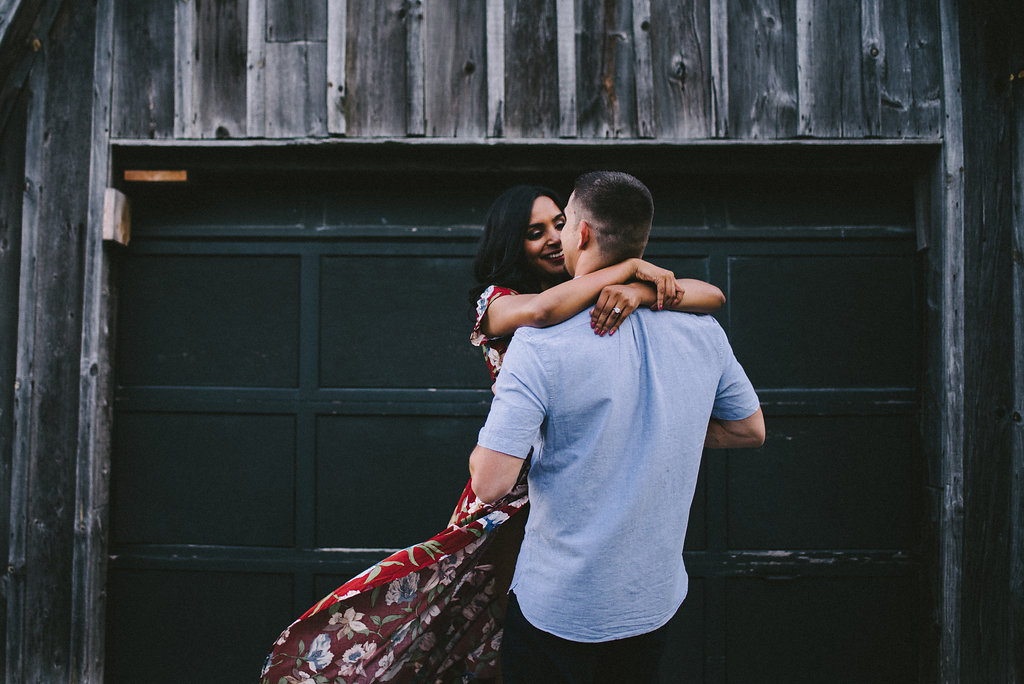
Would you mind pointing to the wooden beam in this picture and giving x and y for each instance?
(415, 70)
(951, 408)
(116, 217)
(565, 19)
(644, 74)
(154, 176)
(1017, 426)
(95, 414)
(337, 21)
(23, 409)
(255, 70)
(495, 68)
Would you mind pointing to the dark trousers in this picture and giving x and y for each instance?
(532, 656)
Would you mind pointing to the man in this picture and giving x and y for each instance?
(619, 424)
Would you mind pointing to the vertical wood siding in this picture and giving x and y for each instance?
(668, 69)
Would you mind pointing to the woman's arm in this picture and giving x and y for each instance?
(697, 297)
(561, 302)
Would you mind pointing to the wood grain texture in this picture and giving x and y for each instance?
(1016, 517)
(495, 68)
(184, 47)
(926, 66)
(12, 190)
(761, 49)
(46, 477)
(719, 41)
(337, 49)
(219, 69)
(296, 20)
(296, 79)
(376, 81)
(605, 86)
(143, 105)
(643, 69)
(681, 55)
(531, 85)
(565, 20)
(414, 69)
(950, 364)
(96, 380)
(255, 70)
(456, 68)
(829, 68)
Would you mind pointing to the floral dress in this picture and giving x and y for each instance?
(430, 613)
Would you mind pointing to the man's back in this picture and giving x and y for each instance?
(623, 420)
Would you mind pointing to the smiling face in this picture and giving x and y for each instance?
(543, 241)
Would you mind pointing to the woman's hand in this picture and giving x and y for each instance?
(663, 280)
(614, 304)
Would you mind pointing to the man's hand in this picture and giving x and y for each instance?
(493, 473)
(736, 434)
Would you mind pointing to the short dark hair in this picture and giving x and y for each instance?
(500, 256)
(619, 208)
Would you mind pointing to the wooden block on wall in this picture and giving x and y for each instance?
(117, 216)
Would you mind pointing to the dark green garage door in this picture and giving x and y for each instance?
(296, 394)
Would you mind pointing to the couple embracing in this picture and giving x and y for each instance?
(599, 419)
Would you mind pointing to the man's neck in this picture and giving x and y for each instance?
(589, 262)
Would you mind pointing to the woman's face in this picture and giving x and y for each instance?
(543, 242)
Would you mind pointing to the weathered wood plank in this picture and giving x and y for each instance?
(12, 190)
(46, 477)
(25, 363)
(565, 20)
(643, 61)
(375, 104)
(892, 69)
(95, 391)
(337, 39)
(455, 66)
(872, 60)
(719, 40)
(605, 86)
(184, 42)
(951, 363)
(681, 50)
(143, 70)
(415, 79)
(495, 68)
(296, 79)
(761, 49)
(219, 70)
(1016, 522)
(926, 65)
(296, 20)
(828, 45)
(531, 89)
(255, 70)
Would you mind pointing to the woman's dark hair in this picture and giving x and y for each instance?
(500, 257)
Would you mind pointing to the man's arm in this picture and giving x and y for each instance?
(736, 434)
(493, 473)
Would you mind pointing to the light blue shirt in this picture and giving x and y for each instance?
(621, 422)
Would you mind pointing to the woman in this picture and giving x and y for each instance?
(433, 612)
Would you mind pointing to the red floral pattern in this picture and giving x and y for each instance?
(430, 613)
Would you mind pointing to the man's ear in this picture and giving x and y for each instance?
(585, 235)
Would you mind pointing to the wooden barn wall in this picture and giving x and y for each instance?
(55, 140)
(666, 69)
(992, 57)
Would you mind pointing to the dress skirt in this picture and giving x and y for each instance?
(430, 613)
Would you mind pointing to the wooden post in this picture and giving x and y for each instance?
(565, 19)
(495, 68)
(951, 408)
(1016, 640)
(117, 217)
(337, 21)
(95, 417)
(23, 414)
(645, 124)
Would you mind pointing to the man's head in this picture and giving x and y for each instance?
(608, 220)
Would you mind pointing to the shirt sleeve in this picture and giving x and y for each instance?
(736, 398)
(477, 338)
(520, 402)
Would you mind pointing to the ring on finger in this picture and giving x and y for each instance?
(617, 310)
